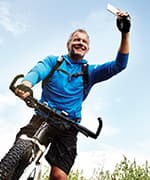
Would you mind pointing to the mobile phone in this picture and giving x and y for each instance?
(112, 9)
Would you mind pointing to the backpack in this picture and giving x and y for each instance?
(84, 75)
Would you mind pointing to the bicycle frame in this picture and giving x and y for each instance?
(38, 140)
(24, 158)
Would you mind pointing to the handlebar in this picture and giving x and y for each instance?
(34, 103)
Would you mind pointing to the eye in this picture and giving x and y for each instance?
(85, 41)
(77, 39)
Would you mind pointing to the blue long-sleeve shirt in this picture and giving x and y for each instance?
(65, 92)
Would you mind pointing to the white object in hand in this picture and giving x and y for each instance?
(112, 9)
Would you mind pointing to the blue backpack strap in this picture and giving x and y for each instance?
(58, 63)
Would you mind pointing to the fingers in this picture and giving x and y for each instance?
(123, 21)
(121, 13)
(21, 93)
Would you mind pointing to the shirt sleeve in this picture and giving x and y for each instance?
(40, 70)
(107, 70)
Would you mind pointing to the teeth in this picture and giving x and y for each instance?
(81, 48)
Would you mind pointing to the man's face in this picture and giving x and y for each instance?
(78, 46)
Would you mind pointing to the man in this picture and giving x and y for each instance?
(64, 90)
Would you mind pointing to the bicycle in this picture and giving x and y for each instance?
(26, 152)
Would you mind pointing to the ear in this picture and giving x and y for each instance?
(67, 46)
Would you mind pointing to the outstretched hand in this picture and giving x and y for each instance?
(123, 21)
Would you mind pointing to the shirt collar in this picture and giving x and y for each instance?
(82, 61)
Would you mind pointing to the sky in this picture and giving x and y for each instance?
(32, 29)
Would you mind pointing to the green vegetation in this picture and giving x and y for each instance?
(125, 170)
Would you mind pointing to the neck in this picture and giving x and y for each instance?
(75, 57)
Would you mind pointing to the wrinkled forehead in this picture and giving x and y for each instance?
(80, 34)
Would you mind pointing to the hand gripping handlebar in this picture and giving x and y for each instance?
(34, 103)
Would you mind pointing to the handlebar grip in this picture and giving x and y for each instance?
(99, 127)
(12, 86)
(88, 132)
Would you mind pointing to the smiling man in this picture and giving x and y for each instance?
(78, 44)
(65, 91)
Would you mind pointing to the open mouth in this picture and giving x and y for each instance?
(80, 48)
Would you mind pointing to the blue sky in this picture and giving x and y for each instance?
(33, 29)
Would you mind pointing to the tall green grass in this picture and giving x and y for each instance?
(124, 170)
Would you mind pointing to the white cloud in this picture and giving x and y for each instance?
(5, 101)
(13, 115)
(8, 19)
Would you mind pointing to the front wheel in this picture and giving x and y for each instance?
(16, 160)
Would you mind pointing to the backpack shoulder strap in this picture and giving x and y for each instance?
(85, 79)
(58, 63)
(84, 76)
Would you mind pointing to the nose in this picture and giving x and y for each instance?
(81, 41)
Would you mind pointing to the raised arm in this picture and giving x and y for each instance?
(124, 44)
(123, 24)
(109, 69)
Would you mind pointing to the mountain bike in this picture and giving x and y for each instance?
(26, 152)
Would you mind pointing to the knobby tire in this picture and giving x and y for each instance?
(16, 160)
